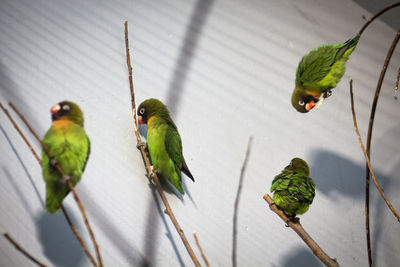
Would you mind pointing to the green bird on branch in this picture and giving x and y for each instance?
(163, 142)
(69, 147)
(293, 188)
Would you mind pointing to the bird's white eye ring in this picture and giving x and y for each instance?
(141, 111)
(66, 107)
(301, 102)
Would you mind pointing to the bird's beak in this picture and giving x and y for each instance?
(140, 120)
(54, 109)
(310, 105)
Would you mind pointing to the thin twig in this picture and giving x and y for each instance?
(74, 230)
(396, 87)
(377, 15)
(22, 250)
(236, 206)
(366, 155)
(201, 250)
(20, 133)
(150, 173)
(369, 136)
(298, 228)
(69, 183)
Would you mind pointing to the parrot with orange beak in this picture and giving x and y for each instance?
(318, 72)
(69, 147)
(163, 142)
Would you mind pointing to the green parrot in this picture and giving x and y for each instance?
(163, 142)
(68, 146)
(293, 189)
(318, 72)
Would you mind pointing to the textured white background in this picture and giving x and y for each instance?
(226, 70)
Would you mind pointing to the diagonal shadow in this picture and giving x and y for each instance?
(152, 228)
(118, 239)
(187, 52)
(301, 258)
(13, 92)
(23, 165)
(59, 244)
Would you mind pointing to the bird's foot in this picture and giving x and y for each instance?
(272, 204)
(65, 179)
(152, 172)
(53, 162)
(142, 144)
(292, 219)
(327, 93)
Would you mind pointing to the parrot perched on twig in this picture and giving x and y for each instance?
(318, 72)
(293, 188)
(69, 147)
(163, 142)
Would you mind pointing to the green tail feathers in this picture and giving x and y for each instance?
(347, 47)
(55, 196)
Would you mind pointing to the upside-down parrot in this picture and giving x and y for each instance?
(293, 188)
(163, 142)
(318, 72)
(69, 147)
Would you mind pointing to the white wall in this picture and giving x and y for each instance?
(226, 70)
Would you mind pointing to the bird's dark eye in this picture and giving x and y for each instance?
(66, 107)
(301, 102)
(141, 111)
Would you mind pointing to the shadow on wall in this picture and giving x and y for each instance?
(58, 242)
(111, 231)
(10, 91)
(187, 52)
(301, 258)
(29, 176)
(334, 174)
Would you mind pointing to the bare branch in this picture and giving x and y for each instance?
(152, 175)
(201, 250)
(366, 155)
(377, 15)
(396, 87)
(236, 206)
(369, 136)
(22, 250)
(71, 187)
(298, 228)
(20, 133)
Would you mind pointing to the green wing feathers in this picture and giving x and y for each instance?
(69, 145)
(324, 66)
(293, 192)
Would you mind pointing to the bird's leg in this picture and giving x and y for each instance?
(142, 144)
(295, 220)
(65, 179)
(327, 93)
(53, 163)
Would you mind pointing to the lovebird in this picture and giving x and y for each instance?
(68, 146)
(293, 188)
(163, 142)
(318, 72)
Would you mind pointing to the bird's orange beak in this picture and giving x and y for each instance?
(140, 120)
(54, 109)
(310, 105)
